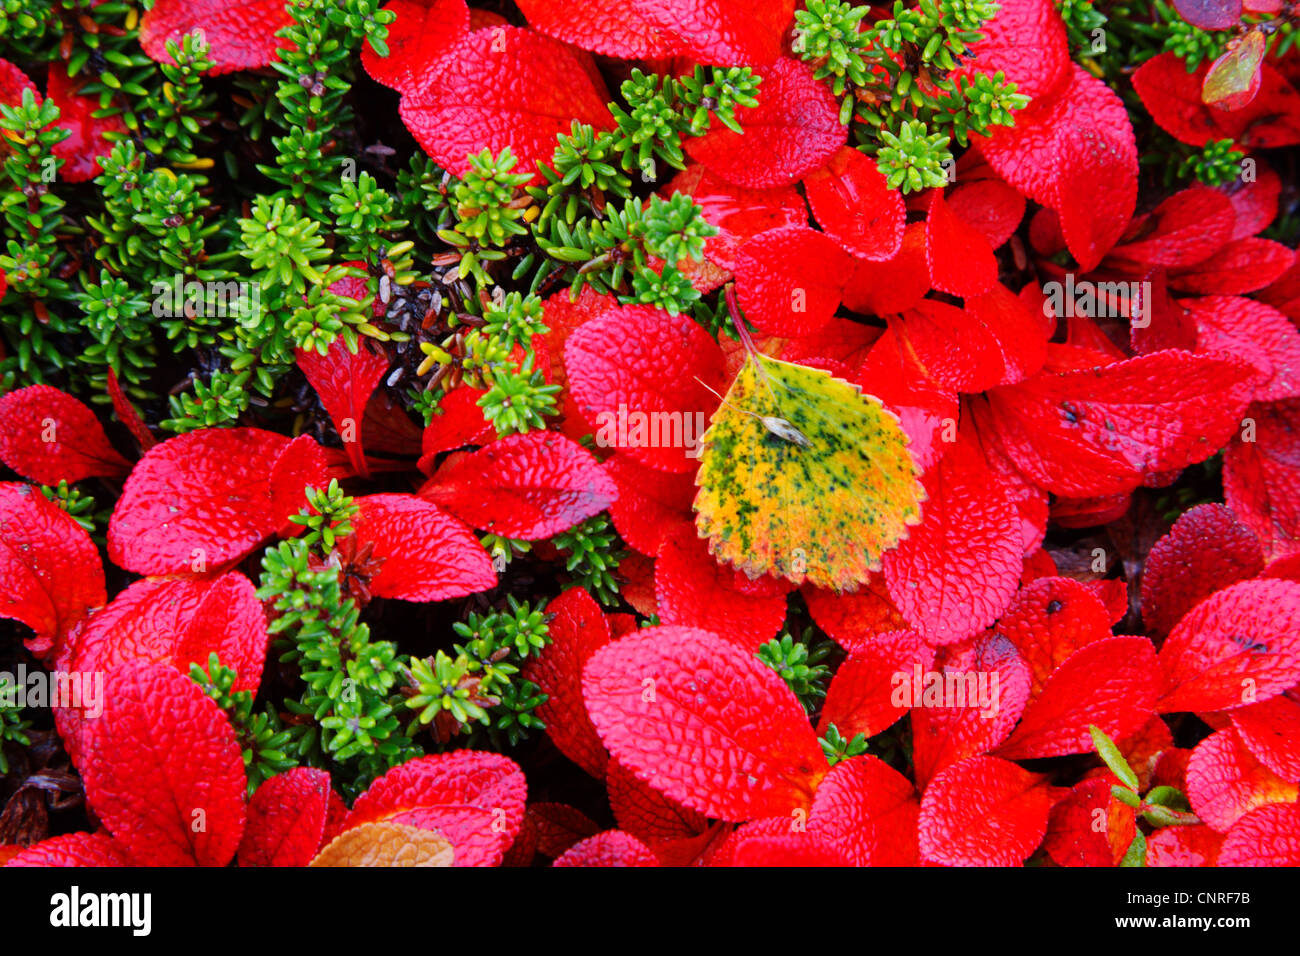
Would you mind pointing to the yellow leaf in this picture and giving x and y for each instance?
(805, 477)
(386, 844)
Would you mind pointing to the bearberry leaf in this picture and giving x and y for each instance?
(1270, 730)
(48, 436)
(596, 25)
(1225, 782)
(718, 32)
(423, 31)
(286, 819)
(1267, 836)
(70, 849)
(240, 36)
(387, 844)
(854, 205)
(868, 810)
(983, 812)
(611, 848)
(706, 723)
(863, 695)
(344, 381)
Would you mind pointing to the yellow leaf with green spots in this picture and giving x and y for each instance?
(805, 477)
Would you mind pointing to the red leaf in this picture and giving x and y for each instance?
(300, 465)
(207, 491)
(693, 590)
(48, 436)
(704, 722)
(989, 206)
(639, 361)
(1206, 550)
(1255, 332)
(344, 382)
(787, 850)
(611, 848)
(577, 630)
(1049, 620)
(559, 826)
(854, 205)
(161, 760)
(960, 725)
(1261, 476)
(1271, 732)
(475, 800)
(854, 619)
(960, 259)
(50, 574)
(1112, 683)
(927, 412)
(459, 422)
(423, 31)
(1224, 782)
(1243, 265)
(868, 810)
(720, 33)
(126, 412)
(527, 486)
(646, 813)
(502, 87)
(1187, 228)
(994, 340)
(863, 697)
(881, 288)
(599, 27)
(1101, 431)
(13, 81)
(240, 36)
(80, 152)
(286, 819)
(956, 571)
(1074, 152)
(178, 621)
(738, 213)
(1183, 846)
(1238, 646)
(426, 554)
(1267, 836)
(1209, 14)
(1072, 835)
(1026, 41)
(651, 505)
(790, 280)
(72, 849)
(794, 129)
(983, 812)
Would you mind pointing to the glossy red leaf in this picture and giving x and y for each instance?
(790, 279)
(786, 851)
(344, 382)
(1111, 683)
(854, 619)
(983, 812)
(502, 87)
(559, 826)
(1073, 151)
(794, 130)
(1243, 265)
(527, 486)
(286, 819)
(718, 32)
(1261, 475)
(1187, 228)
(959, 724)
(425, 553)
(475, 800)
(854, 205)
(126, 412)
(71, 849)
(1209, 14)
(927, 412)
(868, 810)
(207, 491)
(694, 590)
(578, 629)
(611, 848)
(1101, 431)
(1255, 332)
(957, 571)
(49, 436)
(1225, 782)
(1238, 646)
(705, 722)
(1267, 836)
(1183, 846)
(13, 81)
(1271, 732)
(1206, 550)
(50, 573)
(239, 36)
(1025, 41)
(163, 769)
(88, 141)
(646, 813)
(882, 288)
(960, 259)
(1049, 620)
(1075, 834)
(423, 31)
(459, 422)
(651, 505)
(864, 696)
(300, 465)
(600, 27)
(640, 361)
(989, 206)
